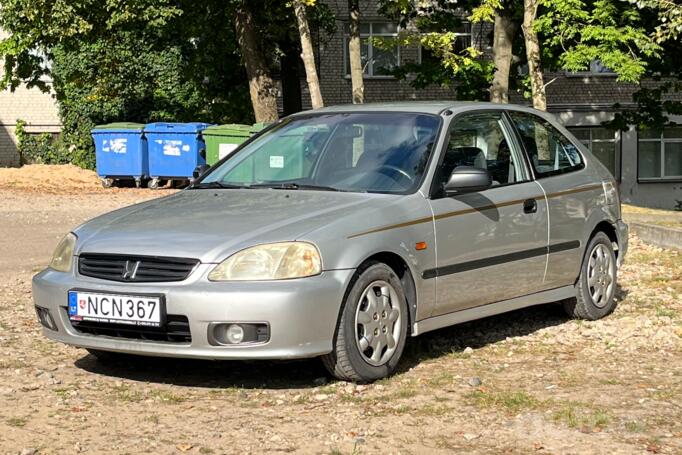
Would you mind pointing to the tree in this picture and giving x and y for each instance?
(537, 84)
(307, 54)
(669, 26)
(261, 85)
(354, 52)
(139, 60)
(611, 31)
(431, 25)
(502, 14)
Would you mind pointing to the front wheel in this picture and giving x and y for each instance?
(596, 286)
(372, 328)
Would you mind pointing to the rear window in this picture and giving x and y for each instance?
(550, 152)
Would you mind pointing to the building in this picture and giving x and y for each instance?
(36, 108)
(648, 166)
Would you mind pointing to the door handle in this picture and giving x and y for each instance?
(530, 206)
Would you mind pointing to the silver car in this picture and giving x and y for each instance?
(340, 233)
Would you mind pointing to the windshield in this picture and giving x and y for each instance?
(359, 152)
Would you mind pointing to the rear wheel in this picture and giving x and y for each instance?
(596, 286)
(371, 331)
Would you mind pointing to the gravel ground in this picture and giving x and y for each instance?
(528, 381)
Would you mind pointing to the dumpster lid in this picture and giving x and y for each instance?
(168, 127)
(230, 129)
(256, 127)
(118, 127)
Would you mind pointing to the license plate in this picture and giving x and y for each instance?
(139, 310)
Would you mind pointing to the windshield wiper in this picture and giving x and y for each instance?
(215, 185)
(294, 186)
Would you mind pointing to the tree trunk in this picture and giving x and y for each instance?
(537, 84)
(307, 55)
(261, 86)
(354, 53)
(503, 39)
(291, 82)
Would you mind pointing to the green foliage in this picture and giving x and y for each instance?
(485, 12)
(133, 60)
(653, 110)
(669, 13)
(48, 148)
(431, 26)
(579, 32)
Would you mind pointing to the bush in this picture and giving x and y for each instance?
(49, 148)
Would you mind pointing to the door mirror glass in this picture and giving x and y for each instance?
(468, 179)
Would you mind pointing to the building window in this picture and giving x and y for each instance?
(597, 68)
(660, 154)
(463, 40)
(603, 144)
(375, 62)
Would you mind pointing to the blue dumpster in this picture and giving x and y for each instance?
(175, 150)
(121, 152)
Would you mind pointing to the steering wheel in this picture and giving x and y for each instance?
(397, 170)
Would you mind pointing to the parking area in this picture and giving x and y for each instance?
(528, 381)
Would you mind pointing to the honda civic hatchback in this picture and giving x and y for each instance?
(342, 232)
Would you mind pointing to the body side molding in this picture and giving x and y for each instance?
(470, 314)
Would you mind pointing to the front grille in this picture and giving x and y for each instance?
(140, 269)
(176, 330)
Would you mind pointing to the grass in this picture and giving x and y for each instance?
(167, 396)
(11, 364)
(512, 402)
(17, 421)
(577, 415)
(125, 394)
(633, 426)
(406, 393)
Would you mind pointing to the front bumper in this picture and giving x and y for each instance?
(301, 313)
(622, 234)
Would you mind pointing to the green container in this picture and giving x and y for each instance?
(256, 127)
(121, 126)
(221, 140)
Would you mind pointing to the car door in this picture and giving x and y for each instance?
(572, 193)
(491, 245)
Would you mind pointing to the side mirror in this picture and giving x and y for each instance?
(200, 170)
(468, 179)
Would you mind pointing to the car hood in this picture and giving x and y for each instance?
(212, 224)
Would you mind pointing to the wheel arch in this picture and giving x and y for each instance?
(609, 229)
(402, 269)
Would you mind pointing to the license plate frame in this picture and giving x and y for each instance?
(160, 299)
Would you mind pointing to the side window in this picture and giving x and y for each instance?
(479, 140)
(549, 151)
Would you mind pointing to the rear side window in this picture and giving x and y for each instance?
(550, 152)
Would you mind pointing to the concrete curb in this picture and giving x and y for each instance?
(664, 237)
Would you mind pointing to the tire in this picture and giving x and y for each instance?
(382, 320)
(153, 184)
(598, 272)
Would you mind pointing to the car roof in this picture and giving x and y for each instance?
(425, 107)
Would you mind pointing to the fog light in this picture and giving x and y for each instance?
(234, 333)
(240, 333)
(45, 318)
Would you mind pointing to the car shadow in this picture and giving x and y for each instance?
(482, 332)
(246, 374)
(302, 374)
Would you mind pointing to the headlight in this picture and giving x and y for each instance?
(274, 261)
(63, 254)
